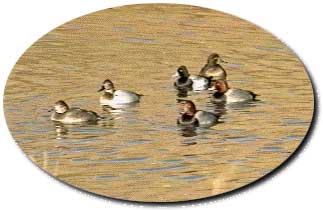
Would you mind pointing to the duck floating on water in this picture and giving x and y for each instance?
(183, 80)
(224, 93)
(213, 69)
(113, 97)
(64, 114)
(192, 117)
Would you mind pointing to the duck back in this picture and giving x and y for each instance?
(75, 115)
(125, 96)
(238, 95)
(206, 119)
(199, 82)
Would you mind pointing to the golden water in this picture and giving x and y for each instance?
(141, 154)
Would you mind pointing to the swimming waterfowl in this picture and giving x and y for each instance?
(224, 93)
(112, 97)
(186, 81)
(192, 117)
(64, 114)
(213, 69)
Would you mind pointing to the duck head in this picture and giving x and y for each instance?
(215, 59)
(61, 107)
(182, 72)
(188, 108)
(220, 86)
(107, 85)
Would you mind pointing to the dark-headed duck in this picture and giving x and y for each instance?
(184, 80)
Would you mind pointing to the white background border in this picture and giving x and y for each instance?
(298, 186)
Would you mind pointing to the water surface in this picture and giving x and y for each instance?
(140, 153)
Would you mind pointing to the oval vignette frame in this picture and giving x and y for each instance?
(233, 191)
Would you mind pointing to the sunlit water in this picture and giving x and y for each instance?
(140, 153)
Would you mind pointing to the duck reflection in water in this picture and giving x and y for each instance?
(119, 108)
(62, 130)
(182, 93)
(187, 131)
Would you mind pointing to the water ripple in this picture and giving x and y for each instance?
(167, 168)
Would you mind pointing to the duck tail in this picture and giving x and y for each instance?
(98, 117)
(254, 95)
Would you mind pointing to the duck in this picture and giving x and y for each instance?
(64, 114)
(226, 94)
(189, 116)
(213, 69)
(113, 97)
(183, 80)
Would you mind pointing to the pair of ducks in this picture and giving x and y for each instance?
(211, 77)
(111, 97)
(210, 72)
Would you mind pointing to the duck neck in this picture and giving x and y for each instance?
(187, 117)
(111, 91)
(59, 113)
(183, 78)
(108, 95)
(222, 91)
(190, 113)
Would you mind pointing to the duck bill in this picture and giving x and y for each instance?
(101, 89)
(176, 75)
(223, 61)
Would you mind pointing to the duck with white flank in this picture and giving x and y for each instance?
(113, 97)
(192, 117)
(183, 80)
(64, 114)
(224, 93)
(213, 69)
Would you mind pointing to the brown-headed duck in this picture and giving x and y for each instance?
(224, 93)
(64, 114)
(192, 117)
